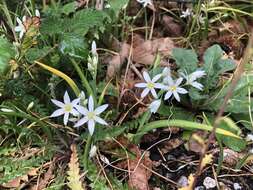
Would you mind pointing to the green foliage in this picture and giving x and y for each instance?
(6, 53)
(186, 60)
(117, 5)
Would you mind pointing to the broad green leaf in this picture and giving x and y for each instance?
(6, 53)
(33, 54)
(69, 8)
(73, 45)
(52, 25)
(233, 143)
(225, 65)
(186, 59)
(117, 5)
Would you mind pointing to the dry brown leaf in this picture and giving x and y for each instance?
(45, 180)
(138, 179)
(117, 60)
(17, 182)
(145, 53)
(171, 27)
(171, 144)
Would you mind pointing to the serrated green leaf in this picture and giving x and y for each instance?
(117, 5)
(34, 53)
(69, 8)
(73, 45)
(186, 59)
(53, 25)
(6, 53)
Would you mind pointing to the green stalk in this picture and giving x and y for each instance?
(83, 78)
(185, 125)
(86, 152)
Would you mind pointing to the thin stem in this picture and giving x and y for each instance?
(83, 78)
(86, 152)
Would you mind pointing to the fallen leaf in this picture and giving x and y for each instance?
(171, 144)
(208, 158)
(171, 27)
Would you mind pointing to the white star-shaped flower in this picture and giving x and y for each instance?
(154, 106)
(91, 115)
(37, 13)
(145, 2)
(20, 28)
(186, 13)
(166, 73)
(191, 79)
(173, 88)
(149, 85)
(66, 108)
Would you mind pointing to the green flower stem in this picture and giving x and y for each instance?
(83, 78)
(185, 125)
(86, 152)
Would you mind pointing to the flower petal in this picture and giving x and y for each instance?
(146, 77)
(74, 112)
(19, 21)
(37, 13)
(167, 95)
(181, 90)
(153, 92)
(175, 94)
(81, 109)
(197, 85)
(21, 34)
(57, 113)
(179, 81)
(141, 85)
(75, 101)
(58, 103)
(91, 104)
(18, 28)
(169, 81)
(24, 19)
(81, 122)
(66, 118)
(154, 106)
(157, 77)
(100, 120)
(159, 86)
(91, 126)
(145, 92)
(66, 98)
(100, 109)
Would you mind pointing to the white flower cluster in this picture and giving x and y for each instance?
(168, 85)
(21, 24)
(77, 108)
(145, 2)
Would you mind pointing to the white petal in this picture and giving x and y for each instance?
(169, 80)
(93, 151)
(19, 21)
(156, 78)
(81, 122)
(82, 95)
(21, 34)
(166, 72)
(24, 19)
(167, 95)
(175, 94)
(159, 86)
(37, 13)
(100, 109)
(66, 118)
(154, 106)
(198, 74)
(144, 92)
(197, 85)
(100, 120)
(66, 98)
(74, 112)
(75, 101)
(81, 109)
(91, 104)
(179, 81)
(57, 113)
(153, 92)
(141, 85)
(181, 90)
(58, 103)
(94, 48)
(18, 28)
(146, 77)
(91, 126)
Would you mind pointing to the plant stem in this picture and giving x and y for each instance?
(83, 78)
(86, 152)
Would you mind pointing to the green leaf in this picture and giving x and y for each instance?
(52, 25)
(86, 20)
(117, 5)
(6, 53)
(73, 45)
(69, 8)
(233, 143)
(34, 53)
(186, 59)
(225, 65)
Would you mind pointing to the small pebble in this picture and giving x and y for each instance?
(183, 181)
(199, 188)
(237, 186)
(209, 183)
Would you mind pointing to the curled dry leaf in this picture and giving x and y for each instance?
(171, 144)
(138, 175)
(171, 27)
